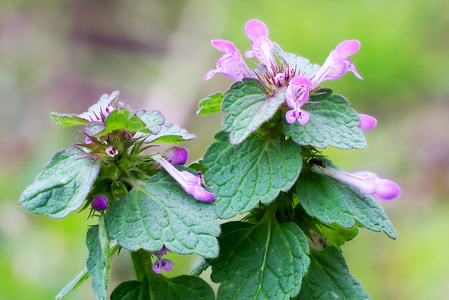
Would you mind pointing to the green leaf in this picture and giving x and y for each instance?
(123, 119)
(157, 287)
(63, 185)
(94, 128)
(182, 287)
(336, 235)
(153, 120)
(131, 290)
(198, 166)
(211, 105)
(247, 106)
(255, 170)
(159, 212)
(303, 66)
(332, 123)
(199, 267)
(170, 133)
(76, 282)
(262, 261)
(333, 201)
(99, 260)
(329, 278)
(66, 120)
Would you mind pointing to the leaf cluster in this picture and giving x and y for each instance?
(288, 245)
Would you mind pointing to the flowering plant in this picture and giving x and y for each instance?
(266, 163)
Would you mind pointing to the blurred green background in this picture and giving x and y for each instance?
(62, 55)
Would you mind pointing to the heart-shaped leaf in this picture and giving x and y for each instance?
(159, 212)
(254, 171)
(247, 106)
(332, 123)
(329, 278)
(262, 261)
(63, 185)
(333, 201)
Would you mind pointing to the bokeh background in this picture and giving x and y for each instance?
(62, 55)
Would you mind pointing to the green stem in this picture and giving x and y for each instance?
(142, 264)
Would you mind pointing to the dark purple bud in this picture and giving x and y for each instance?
(100, 202)
(126, 136)
(177, 156)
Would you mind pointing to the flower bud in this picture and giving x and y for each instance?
(367, 122)
(100, 202)
(176, 156)
(111, 151)
(366, 182)
(126, 136)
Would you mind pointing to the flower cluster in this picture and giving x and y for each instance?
(274, 76)
(107, 147)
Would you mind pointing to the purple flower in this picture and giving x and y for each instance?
(297, 95)
(337, 63)
(176, 156)
(162, 263)
(100, 202)
(367, 122)
(230, 63)
(190, 183)
(366, 182)
(258, 33)
(164, 250)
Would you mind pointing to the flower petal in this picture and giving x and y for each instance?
(301, 81)
(386, 190)
(256, 29)
(157, 265)
(210, 74)
(303, 117)
(290, 116)
(223, 45)
(347, 48)
(367, 122)
(166, 264)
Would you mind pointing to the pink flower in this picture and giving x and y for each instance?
(335, 66)
(258, 32)
(190, 183)
(367, 122)
(366, 182)
(337, 63)
(297, 95)
(230, 63)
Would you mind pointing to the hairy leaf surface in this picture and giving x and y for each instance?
(254, 171)
(63, 185)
